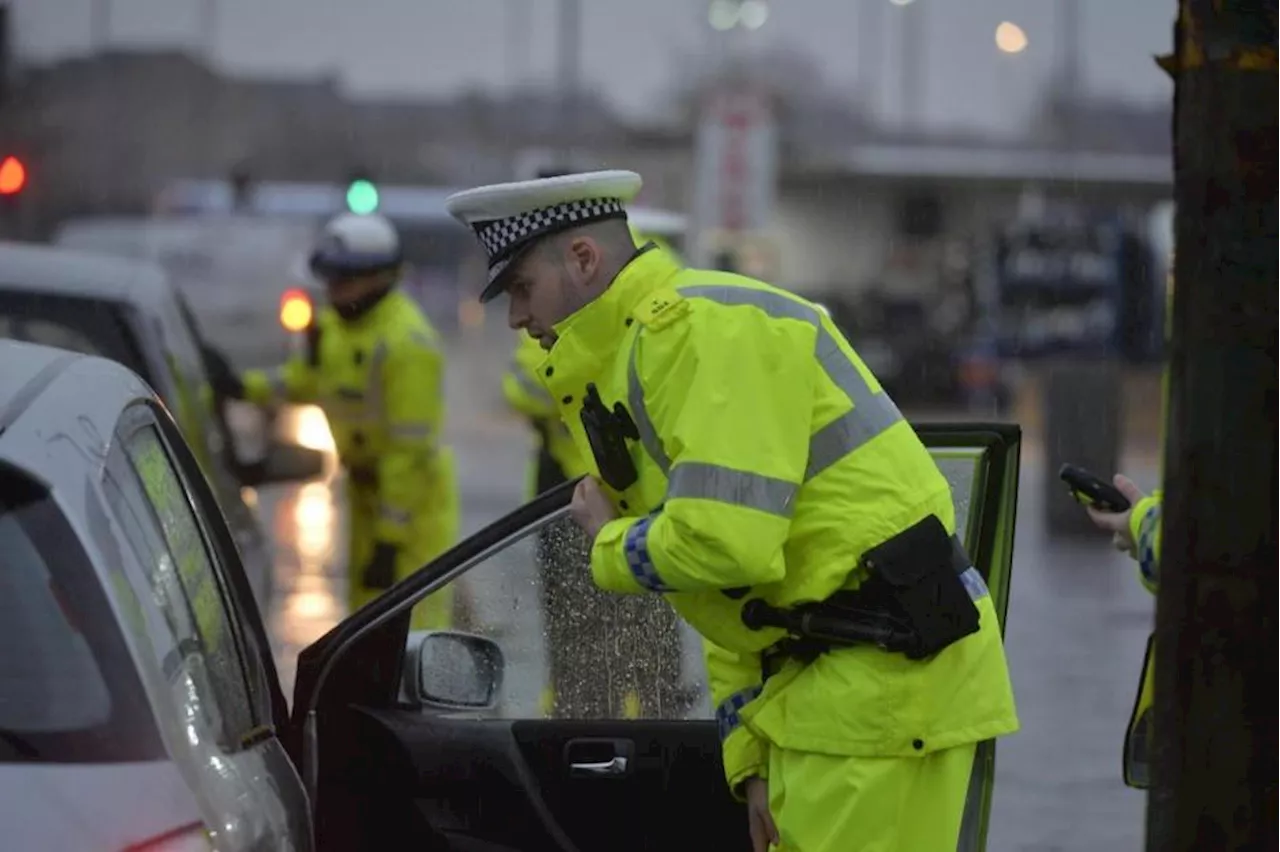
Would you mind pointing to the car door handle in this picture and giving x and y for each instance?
(606, 769)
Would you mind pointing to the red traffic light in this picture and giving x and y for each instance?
(13, 176)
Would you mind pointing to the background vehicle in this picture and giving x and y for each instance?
(442, 260)
(233, 270)
(127, 311)
(444, 267)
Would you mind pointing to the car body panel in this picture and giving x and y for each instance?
(95, 807)
(59, 419)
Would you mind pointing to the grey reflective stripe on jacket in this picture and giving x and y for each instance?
(872, 412)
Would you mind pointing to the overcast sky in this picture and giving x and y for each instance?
(439, 47)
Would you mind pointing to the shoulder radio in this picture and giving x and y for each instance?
(608, 431)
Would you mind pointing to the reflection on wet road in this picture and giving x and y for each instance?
(1077, 626)
(306, 524)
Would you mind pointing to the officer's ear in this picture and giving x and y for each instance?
(584, 258)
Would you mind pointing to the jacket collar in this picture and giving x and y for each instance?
(589, 339)
(597, 329)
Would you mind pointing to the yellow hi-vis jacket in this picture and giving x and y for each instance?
(379, 380)
(523, 388)
(768, 457)
(525, 393)
(1146, 528)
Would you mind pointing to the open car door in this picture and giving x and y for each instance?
(432, 741)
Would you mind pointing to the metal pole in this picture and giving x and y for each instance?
(569, 64)
(99, 24)
(104, 152)
(1214, 754)
(209, 31)
(911, 62)
(210, 111)
(870, 54)
(1069, 30)
(519, 27)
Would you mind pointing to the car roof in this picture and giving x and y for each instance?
(53, 401)
(65, 272)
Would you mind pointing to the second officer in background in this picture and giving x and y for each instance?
(374, 365)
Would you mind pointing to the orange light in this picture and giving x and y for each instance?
(295, 310)
(13, 176)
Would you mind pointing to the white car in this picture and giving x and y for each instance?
(135, 711)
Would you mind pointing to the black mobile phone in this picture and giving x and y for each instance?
(1091, 490)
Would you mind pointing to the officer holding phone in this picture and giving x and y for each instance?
(1133, 519)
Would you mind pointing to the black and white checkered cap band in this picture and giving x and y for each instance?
(503, 237)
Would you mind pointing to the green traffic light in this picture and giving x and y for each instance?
(362, 197)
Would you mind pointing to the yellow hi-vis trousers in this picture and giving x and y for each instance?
(827, 803)
(435, 531)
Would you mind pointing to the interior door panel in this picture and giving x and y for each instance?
(421, 779)
(493, 785)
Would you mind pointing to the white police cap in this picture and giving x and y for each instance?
(508, 218)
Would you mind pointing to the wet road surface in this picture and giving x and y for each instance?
(1078, 619)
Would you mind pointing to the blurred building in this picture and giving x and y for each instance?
(104, 135)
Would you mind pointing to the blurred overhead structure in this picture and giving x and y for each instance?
(913, 54)
(1069, 80)
(870, 42)
(569, 63)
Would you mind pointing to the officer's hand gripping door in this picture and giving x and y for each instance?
(593, 730)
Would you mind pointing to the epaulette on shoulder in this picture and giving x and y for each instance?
(661, 309)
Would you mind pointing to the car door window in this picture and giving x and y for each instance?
(160, 516)
(616, 656)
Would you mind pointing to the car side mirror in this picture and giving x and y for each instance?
(449, 670)
(284, 463)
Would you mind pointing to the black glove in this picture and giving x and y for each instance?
(222, 378)
(380, 573)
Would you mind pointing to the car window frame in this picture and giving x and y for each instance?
(255, 642)
(217, 544)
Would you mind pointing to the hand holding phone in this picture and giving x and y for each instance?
(1090, 490)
